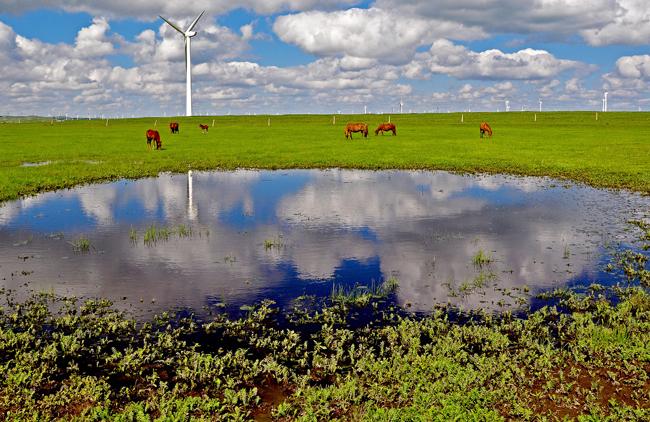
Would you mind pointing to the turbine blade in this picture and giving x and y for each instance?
(191, 27)
(172, 25)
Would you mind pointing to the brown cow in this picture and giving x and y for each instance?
(153, 135)
(386, 127)
(173, 127)
(356, 127)
(204, 128)
(485, 128)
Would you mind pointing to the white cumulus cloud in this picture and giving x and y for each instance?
(150, 9)
(630, 24)
(444, 57)
(634, 67)
(365, 33)
(92, 41)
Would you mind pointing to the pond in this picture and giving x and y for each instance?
(234, 238)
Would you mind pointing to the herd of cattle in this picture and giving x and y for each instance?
(154, 135)
(350, 128)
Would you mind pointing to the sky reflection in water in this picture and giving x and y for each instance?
(335, 226)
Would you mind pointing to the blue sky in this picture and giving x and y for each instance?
(323, 56)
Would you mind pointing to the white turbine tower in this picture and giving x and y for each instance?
(540, 105)
(187, 35)
(507, 105)
(401, 105)
(605, 102)
(192, 211)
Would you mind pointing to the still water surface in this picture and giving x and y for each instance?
(282, 234)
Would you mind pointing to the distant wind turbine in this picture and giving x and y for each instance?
(187, 35)
(401, 105)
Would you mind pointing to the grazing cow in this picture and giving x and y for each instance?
(173, 127)
(204, 128)
(485, 128)
(386, 127)
(153, 135)
(356, 127)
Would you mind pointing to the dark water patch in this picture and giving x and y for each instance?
(281, 235)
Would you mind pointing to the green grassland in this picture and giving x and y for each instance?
(611, 152)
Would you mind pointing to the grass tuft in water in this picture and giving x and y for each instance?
(361, 295)
(481, 259)
(153, 234)
(81, 245)
(183, 231)
(275, 243)
(391, 285)
(133, 235)
(150, 235)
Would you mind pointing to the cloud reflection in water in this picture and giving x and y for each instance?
(337, 225)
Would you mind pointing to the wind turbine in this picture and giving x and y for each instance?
(507, 105)
(540, 105)
(605, 102)
(187, 35)
(401, 105)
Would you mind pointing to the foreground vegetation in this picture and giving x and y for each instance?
(583, 356)
(609, 152)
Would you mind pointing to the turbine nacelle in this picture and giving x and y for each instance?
(188, 33)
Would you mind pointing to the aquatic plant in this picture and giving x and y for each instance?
(81, 244)
(153, 234)
(391, 285)
(275, 243)
(634, 266)
(361, 295)
(481, 281)
(645, 232)
(183, 231)
(133, 235)
(481, 259)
